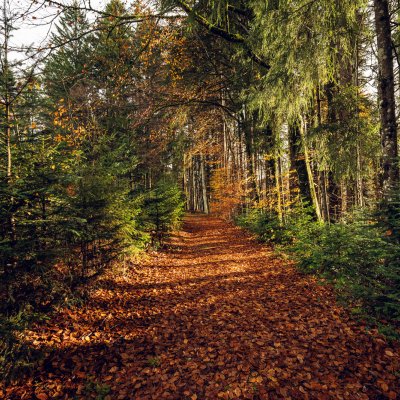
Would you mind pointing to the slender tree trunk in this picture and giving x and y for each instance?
(298, 164)
(250, 156)
(344, 198)
(195, 184)
(359, 195)
(359, 180)
(186, 182)
(8, 139)
(313, 192)
(278, 189)
(192, 187)
(332, 188)
(387, 106)
(203, 184)
(7, 95)
(7, 117)
(284, 201)
(324, 195)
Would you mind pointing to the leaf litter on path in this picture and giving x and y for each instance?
(217, 316)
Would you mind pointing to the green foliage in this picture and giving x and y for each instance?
(153, 362)
(163, 209)
(15, 355)
(66, 67)
(268, 228)
(265, 225)
(347, 253)
(389, 222)
(74, 201)
(91, 226)
(29, 204)
(355, 132)
(100, 389)
(389, 216)
(360, 257)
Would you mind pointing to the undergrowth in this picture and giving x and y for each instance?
(31, 287)
(360, 256)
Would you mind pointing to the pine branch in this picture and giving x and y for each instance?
(228, 36)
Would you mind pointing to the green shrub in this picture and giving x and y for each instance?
(389, 221)
(15, 355)
(162, 211)
(266, 226)
(360, 257)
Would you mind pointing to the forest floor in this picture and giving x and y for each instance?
(217, 316)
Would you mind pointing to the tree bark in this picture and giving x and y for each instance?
(278, 189)
(7, 95)
(309, 171)
(203, 185)
(298, 164)
(387, 106)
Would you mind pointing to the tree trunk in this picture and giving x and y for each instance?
(8, 139)
(250, 155)
(359, 180)
(313, 192)
(278, 189)
(298, 164)
(203, 185)
(324, 195)
(390, 170)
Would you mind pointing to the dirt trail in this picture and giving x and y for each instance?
(216, 317)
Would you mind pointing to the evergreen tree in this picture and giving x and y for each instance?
(69, 62)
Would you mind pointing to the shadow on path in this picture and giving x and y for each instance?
(217, 317)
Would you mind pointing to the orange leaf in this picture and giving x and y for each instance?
(384, 386)
(237, 391)
(389, 353)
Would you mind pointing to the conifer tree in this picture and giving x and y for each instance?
(69, 61)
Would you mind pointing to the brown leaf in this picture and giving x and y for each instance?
(206, 303)
(384, 386)
(237, 392)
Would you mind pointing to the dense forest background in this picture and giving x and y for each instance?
(279, 115)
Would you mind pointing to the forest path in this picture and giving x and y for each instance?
(217, 317)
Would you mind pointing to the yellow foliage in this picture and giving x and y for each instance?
(227, 192)
(74, 131)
